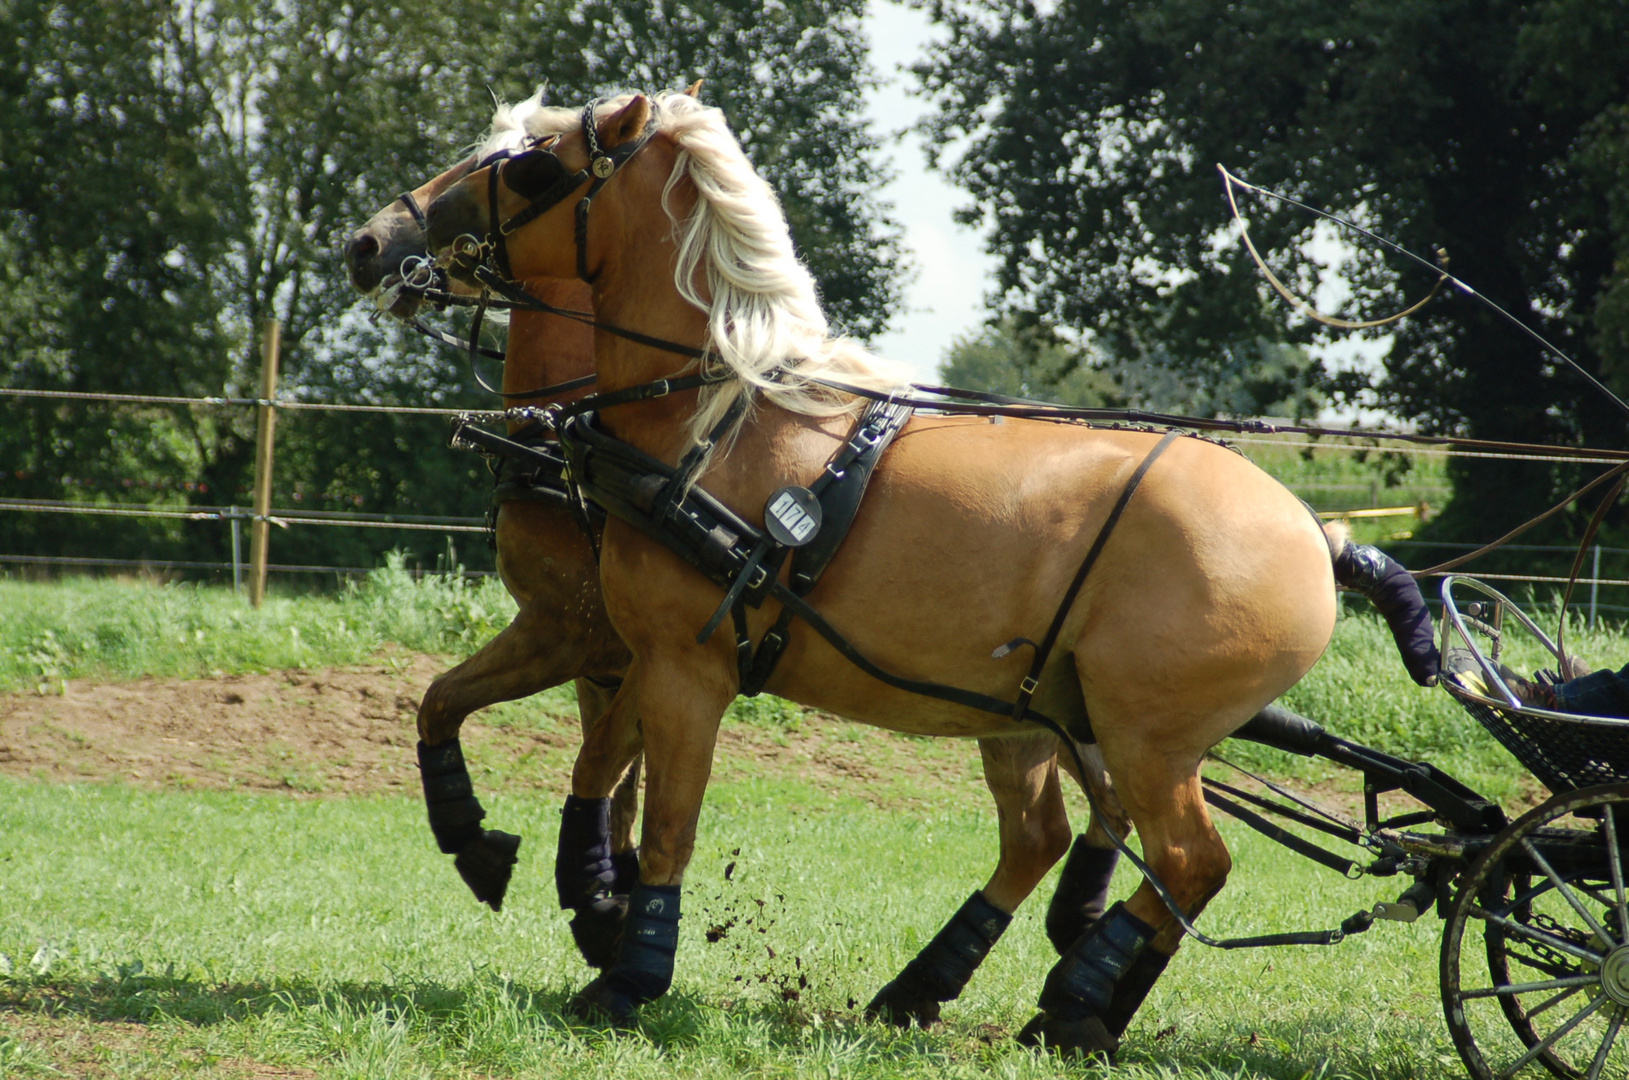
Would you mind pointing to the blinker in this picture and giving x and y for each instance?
(533, 172)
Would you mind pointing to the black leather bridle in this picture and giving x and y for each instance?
(554, 187)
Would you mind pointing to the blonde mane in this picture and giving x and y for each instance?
(515, 126)
(763, 312)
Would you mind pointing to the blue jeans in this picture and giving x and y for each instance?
(1600, 693)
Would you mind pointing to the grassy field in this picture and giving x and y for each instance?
(147, 932)
(164, 934)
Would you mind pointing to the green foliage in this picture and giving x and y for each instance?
(1087, 134)
(1009, 357)
(1018, 355)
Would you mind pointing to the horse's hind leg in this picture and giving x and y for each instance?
(1021, 772)
(1094, 990)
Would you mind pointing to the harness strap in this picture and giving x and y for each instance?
(1043, 651)
(520, 298)
(458, 343)
(955, 695)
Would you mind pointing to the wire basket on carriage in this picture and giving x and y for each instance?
(1565, 751)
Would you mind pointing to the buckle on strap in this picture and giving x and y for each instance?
(1029, 685)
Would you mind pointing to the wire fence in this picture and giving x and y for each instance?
(236, 517)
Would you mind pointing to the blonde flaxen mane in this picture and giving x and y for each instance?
(763, 311)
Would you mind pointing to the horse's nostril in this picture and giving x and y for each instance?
(362, 245)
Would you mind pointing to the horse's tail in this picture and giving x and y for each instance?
(1393, 590)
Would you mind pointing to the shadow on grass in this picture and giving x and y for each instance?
(139, 997)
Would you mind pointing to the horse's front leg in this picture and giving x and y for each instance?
(680, 700)
(596, 816)
(1021, 772)
(594, 698)
(526, 657)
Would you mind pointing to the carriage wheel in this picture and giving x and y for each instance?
(1551, 990)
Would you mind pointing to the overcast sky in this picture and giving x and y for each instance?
(952, 272)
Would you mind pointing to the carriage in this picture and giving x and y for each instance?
(1546, 988)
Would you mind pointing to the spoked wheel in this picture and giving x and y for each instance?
(1549, 990)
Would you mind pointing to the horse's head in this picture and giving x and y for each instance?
(526, 212)
(380, 254)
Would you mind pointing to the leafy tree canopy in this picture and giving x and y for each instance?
(1087, 135)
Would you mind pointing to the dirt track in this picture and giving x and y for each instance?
(339, 731)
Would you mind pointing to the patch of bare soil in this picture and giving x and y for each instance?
(89, 1049)
(352, 731)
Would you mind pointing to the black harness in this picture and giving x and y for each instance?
(745, 560)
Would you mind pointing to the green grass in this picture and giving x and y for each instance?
(104, 628)
(154, 933)
(328, 935)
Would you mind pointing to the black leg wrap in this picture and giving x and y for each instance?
(941, 970)
(486, 864)
(1132, 988)
(1082, 893)
(455, 812)
(1079, 994)
(582, 864)
(624, 871)
(1396, 595)
(596, 927)
(643, 969)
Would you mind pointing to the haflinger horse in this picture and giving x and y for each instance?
(1212, 594)
(562, 632)
(546, 560)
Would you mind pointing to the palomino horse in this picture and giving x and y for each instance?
(546, 561)
(562, 631)
(1212, 596)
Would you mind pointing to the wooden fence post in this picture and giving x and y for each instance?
(270, 342)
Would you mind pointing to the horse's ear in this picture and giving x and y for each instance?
(626, 123)
(695, 89)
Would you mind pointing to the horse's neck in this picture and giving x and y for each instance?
(648, 304)
(548, 349)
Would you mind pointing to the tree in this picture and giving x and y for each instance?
(1025, 360)
(1087, 136)
(173, 171)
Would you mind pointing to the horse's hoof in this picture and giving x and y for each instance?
(486, 864)
(598, 927)
(1083, 1038)
(599, 1003)
(902, 1004)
